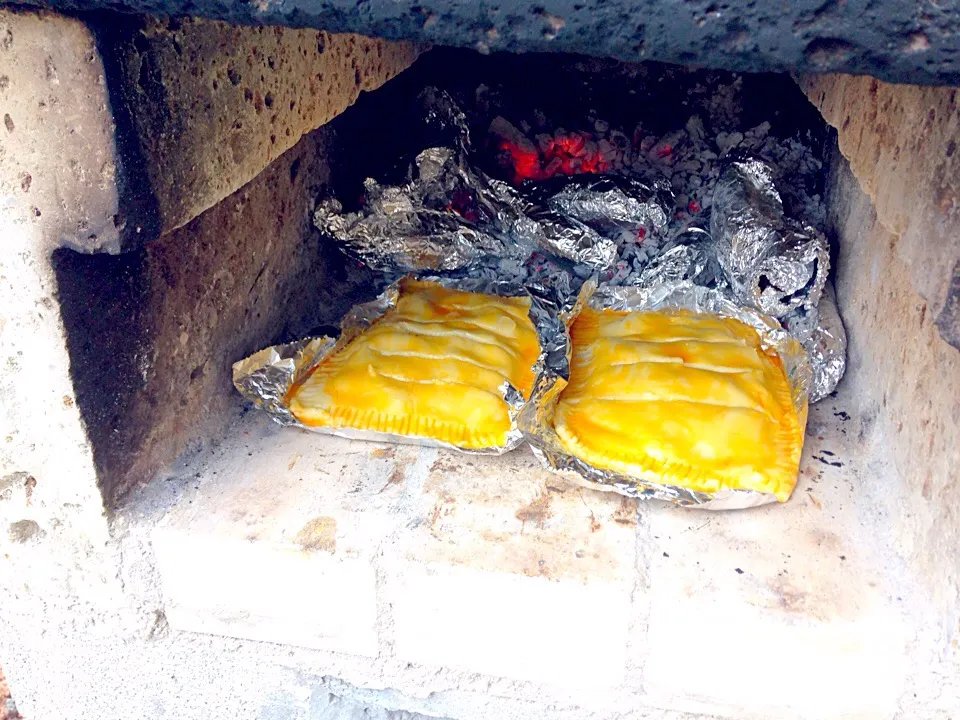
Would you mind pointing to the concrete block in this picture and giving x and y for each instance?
(788, 611)
(152, 369)
(556, 632)
(57, 158)
(755, 624)
(203, 106)
(508, 571)
(234, 587)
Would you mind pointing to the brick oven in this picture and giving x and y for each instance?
(165, 550)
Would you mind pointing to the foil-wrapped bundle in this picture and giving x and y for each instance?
(270, 377)
(443, 218)
(536, 419)
(448, 215)
(607, 203)
(772, 262)
(556, 234)
(822, 335)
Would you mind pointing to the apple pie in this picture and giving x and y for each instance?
(680, 398)
(435, 365)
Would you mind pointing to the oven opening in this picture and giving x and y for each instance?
(420, 578)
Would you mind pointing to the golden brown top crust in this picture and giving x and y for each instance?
(680, 398)
(433, 366)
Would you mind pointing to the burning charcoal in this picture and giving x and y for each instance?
(663, 150)
(771, 262)
(522, 155)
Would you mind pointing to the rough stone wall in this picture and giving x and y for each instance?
(203, 106)
(906, 383)
(901, 142)
(151, 369)
(55, 148)
(112, 134)
(101, 384)
(895, 206)
(54, 105)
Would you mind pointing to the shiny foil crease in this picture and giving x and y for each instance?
(772, 262)
(536, 226)
(822, 334)
(415, 226)
(607, 203)
(266, 377)
(536, 418)
(691, 256)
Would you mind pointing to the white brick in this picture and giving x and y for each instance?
(277, 541)
(509, 571)
(558, 632)
(233, 587)
(782, 611)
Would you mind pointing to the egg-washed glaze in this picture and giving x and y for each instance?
(433, 366)
(680, 398)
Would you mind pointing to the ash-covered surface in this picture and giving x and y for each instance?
(548, 171)
(645, 118)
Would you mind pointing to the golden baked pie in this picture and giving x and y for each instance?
(432, 366)
(680, 398)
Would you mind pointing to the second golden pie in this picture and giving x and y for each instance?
(680, 398)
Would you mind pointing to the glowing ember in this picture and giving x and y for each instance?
(464, 204)
(526, 163)
(563, 153)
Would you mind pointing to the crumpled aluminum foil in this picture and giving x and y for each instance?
(822, 335)
(535, 225)
(608, 203)
(772, 262)
(266, 377)
(536, 418)
(448, 216)
(691, 256)
(442, 219)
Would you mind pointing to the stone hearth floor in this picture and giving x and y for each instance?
(425, 571)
